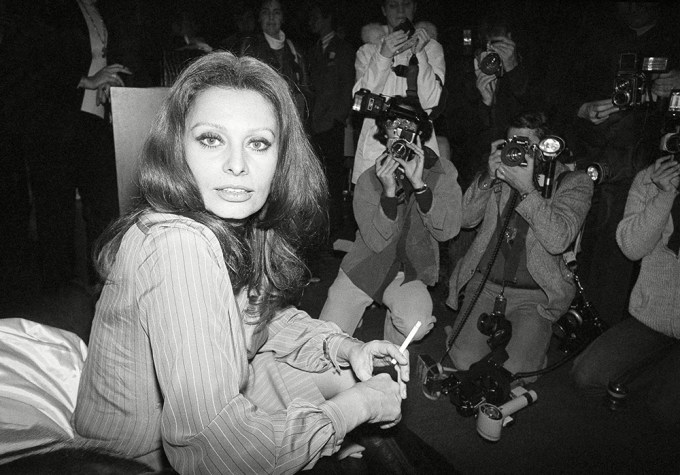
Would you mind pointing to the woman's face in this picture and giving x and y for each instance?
(396, 11)
(271, 18)
(231, 144)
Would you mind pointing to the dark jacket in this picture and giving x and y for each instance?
(331, 75)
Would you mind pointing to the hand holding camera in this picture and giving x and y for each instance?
(486, 84)
(666, 174)
(518, 177)
(505, 48)
(664, 83)
(597, 111)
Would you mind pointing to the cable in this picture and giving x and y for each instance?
(461, 321)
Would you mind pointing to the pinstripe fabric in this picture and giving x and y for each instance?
(168, 366)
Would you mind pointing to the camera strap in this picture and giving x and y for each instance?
(412, 77)
(460, 322)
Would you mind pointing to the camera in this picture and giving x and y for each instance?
(491, 64)
(514, 150)
(495, 325)
(633, 79)
(580, 325)
(491, 419)
(544, 153)
(670, 143)
(406, 117)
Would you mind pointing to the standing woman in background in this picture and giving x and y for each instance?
(388, 51)
(197, 353)
(271, 46)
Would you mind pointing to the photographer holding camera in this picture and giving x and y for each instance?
(396, 59)
(649, 231)
(523, 228)
(404, 206)
(613, 96)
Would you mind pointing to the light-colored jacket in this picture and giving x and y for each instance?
(643, 234)
(553, 225)
(374, 72)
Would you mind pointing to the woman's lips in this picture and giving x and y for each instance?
(236, 195)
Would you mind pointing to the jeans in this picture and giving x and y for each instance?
(619, 352)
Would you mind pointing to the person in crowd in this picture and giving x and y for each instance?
(70, 76)
(243, 24)
(623, 138)
(489, 94)
(271, 46)
(404, 206)
(197, 352)
(383, 65)
(648, 343)
(331, 72)
(523, 259)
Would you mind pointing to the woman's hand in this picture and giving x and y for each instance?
(379, 353)
(385, 168)
(394, 43)
(422, 37)
(381, 399)
(597, 111)
(413, 169)
(666, 174)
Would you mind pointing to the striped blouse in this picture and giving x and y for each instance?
(168, 371)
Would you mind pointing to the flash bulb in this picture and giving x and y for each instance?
(551, 145)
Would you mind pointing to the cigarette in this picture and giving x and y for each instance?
(408, 339)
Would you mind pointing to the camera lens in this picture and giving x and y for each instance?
(400, 150)
(512, 154)
(491, 64)
(621, 98)
(671, 143)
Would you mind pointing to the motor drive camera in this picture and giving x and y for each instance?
(402, 113)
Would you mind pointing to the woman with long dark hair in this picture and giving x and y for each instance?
(197, 353)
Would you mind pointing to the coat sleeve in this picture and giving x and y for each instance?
(444, 217)
(377, 230)
(556, 222)
(198, 343)
(644, 219)
(372, 69)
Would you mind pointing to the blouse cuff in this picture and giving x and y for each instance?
(331, 346)
(337, 419)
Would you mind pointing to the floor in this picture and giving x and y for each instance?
(563, 432)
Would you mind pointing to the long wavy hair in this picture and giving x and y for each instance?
(262, 251)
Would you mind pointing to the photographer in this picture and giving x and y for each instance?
(624, 139)
(383, 64)
(403, 207)
(649, 232)
(529, 270)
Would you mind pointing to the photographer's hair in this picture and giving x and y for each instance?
(425, 125)
(261, 252)
(534, 120)
(495, 23)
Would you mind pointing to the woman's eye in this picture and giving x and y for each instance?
(260, 145)
(209, 140)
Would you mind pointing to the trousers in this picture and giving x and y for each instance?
(406, 304)
(619, 352)
(531, 333)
